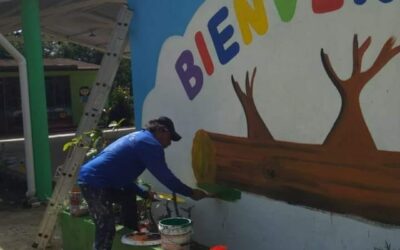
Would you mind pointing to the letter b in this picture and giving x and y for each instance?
(187, 71)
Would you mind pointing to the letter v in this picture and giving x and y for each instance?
(286, 9)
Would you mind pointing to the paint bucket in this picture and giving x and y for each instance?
(175, 233)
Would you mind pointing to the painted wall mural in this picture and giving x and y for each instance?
(346, 174)
(293, 102)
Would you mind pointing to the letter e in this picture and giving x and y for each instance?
(220, 38)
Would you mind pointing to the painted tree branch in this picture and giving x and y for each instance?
(358, 54)
(386, 54)
(331, 73)
(350, 130)
(256, 128)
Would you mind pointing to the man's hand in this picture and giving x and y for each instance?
(152, 196)
(198, 194)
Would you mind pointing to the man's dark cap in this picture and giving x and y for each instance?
(165, 121)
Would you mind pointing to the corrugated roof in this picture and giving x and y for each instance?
(52, 64)
(85, 22)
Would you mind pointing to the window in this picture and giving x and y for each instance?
(10, 106)
(58, 98)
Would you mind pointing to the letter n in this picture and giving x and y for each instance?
(248, 16)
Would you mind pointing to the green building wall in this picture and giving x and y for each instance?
(77, 80)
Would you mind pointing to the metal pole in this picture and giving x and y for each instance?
(37, 97)
(26, 115)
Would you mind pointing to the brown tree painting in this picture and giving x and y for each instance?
(346, 174)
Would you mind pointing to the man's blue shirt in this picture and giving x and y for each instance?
(121, 163)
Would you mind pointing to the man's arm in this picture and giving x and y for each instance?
(154, 160)
(138, 190)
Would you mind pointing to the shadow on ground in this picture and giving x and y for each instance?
(12, 190)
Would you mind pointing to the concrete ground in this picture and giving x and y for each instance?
(18, 228)
(18, 221)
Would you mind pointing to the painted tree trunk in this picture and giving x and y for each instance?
(350, 132)
(305, 174)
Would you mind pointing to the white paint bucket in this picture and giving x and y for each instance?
(175, 233)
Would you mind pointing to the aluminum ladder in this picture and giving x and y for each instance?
(91, 115)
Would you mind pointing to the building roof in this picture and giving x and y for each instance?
(85, 22)
(51, 64)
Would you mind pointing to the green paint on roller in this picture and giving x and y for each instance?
(204, 168)
(221, 192)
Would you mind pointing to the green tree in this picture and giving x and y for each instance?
(124, 76)
(120, 106)
(62, 49)
(73, 51)
(17, 43)
(120, 100)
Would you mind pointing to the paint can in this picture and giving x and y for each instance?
(175, 233)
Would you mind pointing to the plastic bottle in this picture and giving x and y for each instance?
(75, 199)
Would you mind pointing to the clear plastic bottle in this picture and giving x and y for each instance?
(75, 199)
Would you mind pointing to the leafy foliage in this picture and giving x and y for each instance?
(72, 51)
(95, 140)
(18, 44)
(62, 49)
(124, 76)
(120, 106)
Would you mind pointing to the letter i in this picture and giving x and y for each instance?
(323, 6)
(204, 53)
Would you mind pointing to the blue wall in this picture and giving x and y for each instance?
(152, 23)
